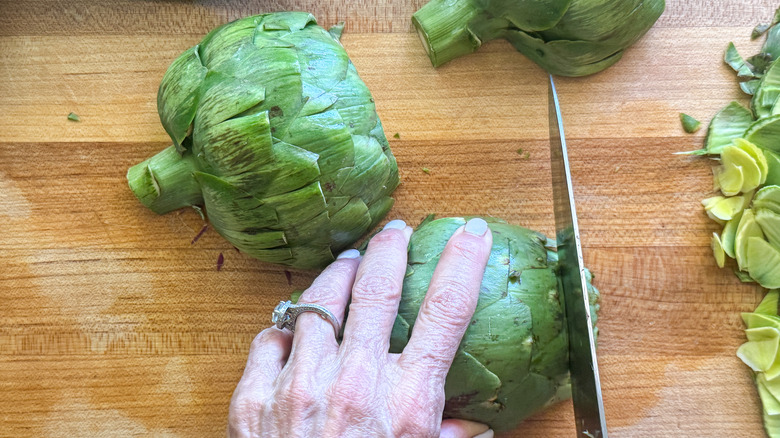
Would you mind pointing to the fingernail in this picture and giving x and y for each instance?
(489, 432)
(349, 254)
(477, 227)
(397, 224)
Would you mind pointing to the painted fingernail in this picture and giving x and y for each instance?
(397, 224)
(477, 227)
(349, 254)
(488, 433)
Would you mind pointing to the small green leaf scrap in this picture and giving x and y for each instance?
(689, 124)
(74, 117)
(397, 135)
(426, 170)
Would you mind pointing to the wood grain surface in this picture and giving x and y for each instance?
(113, 323)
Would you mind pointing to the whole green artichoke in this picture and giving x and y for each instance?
(275, 133)
(565, 37)
(513, 359)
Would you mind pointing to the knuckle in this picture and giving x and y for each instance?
(322, 294)
(297, 396)
(416, 417)
(265, 337)
(245, 408)
(377, 287)
(451, 303)
(472, 250)
(348, 395)
(389, 237)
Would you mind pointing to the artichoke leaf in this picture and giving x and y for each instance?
(717, 250)
(733, 156)
(771, 45)
(566, 58)
(533, 393)
(770, 225)
(768, 90)
(230, 207)
(326, 135)
(728, 124)
(757, 154)
(770, 403)
(617, 21)
(222, 43)
(730, 179)
(768, 193)
(763, 262)
(292, 169)
(235, 147)
(177, 97)
(504, 345)
(757, 319)
(317, 100)
(773, 167)
(379, 209)
(399, 336)
(473, 389)
(729, 234)
(769, 305)
(530, 15)
(760, 352)
(371, 164)
(349, 223)
(747, 229)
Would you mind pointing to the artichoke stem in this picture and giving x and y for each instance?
(165, 182)
(445, 28)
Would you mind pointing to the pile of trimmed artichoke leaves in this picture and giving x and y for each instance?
(745, 144)
(277, 138)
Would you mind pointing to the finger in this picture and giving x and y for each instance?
(453, 428)
(267, 356)
(377, 290)
(331, 290)
(450, 302)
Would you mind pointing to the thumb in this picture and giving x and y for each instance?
(453, 428)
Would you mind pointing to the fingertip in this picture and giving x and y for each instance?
(456, 428)
(476, 226)
(349, 254)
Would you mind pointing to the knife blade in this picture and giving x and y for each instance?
(585, 382)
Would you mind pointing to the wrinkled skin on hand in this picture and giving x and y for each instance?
(310, 385)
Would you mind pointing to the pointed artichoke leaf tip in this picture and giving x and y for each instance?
(336, 30)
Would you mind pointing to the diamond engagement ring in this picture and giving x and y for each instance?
(286, 313)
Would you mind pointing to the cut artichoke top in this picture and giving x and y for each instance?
(513, 358)
(565, 37)
(275, 133)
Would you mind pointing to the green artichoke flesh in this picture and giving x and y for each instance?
(276, 135)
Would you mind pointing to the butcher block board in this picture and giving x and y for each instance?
(113, 322)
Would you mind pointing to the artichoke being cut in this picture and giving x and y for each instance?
(275, 133)
(565, 37)
(513, 359)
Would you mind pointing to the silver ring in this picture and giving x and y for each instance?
(286, 313)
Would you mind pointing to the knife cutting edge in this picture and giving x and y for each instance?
(585, 382)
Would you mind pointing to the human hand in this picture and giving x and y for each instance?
(308, 385)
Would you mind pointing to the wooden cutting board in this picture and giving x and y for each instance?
(114, 323)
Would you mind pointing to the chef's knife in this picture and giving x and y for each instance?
(585, 384)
